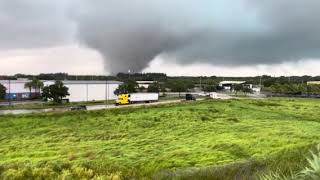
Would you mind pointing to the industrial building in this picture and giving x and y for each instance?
(78, 90)
(16, 89)
(90, 90)
(228, 85)
(313, 82)
(145, 84)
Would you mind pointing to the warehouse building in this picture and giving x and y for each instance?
(90, 90)
(145, 84)
(228, 85)
(16, 89)
(78, 90)
(313, 82)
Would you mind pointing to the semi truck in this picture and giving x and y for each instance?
(132, 98)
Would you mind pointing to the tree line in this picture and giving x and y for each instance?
(264, 80)
(294, 89)
(163, 83)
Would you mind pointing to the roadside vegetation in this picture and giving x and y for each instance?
(37, 85)
(294, 89)
(310, 172)
(55, 92)
(210, 139)
(2, 92)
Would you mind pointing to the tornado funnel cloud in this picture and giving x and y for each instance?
(129, 35)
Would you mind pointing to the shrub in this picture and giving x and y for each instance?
(233, 119)
(204, 118)
(311, 172)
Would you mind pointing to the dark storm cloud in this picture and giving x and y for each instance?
(130, 34)
(33, 23)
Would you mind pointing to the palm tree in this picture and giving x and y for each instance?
(34, 84)
(37, 85)
(29, 85)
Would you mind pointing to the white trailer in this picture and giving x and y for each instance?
(213, 95)
(143, 97)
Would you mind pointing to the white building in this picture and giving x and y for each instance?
(313, 82)
(256, 89)
(16, 89)
(90, 90)
(145, 84)
(78, 90)
(227, 85)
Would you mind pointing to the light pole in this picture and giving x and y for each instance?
(107, 93)
(9, 92)
(87, 92)
(260, 81)
(200, 83)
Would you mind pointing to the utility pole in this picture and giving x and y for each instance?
(87, 92)
(9, 92)
(107, 93)
(260, 81)
(129, 72)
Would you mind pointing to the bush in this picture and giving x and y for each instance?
(311, 172)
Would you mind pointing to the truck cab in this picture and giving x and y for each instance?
(123, 99)
(190, 97)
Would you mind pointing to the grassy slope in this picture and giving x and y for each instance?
(145, 141)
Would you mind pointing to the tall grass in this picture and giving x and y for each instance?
(311, 171)
(234, 139)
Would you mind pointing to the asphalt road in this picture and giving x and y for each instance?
(99, 107)
(89, 108)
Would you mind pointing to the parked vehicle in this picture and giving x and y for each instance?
(190, 97)
(214, 95)
(137, 98)
(78, 108)
(203, 94)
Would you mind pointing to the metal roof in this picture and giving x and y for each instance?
(92, 82)
(232, 82)
(64, 82)
(313, 82)
(15, 81)
(146, 82)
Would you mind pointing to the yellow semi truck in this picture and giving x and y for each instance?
(124, 99)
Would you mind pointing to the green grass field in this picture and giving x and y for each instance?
(198, 140)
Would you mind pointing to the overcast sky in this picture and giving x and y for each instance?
(177, 37)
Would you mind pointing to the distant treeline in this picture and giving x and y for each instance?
(266, 81)
(293, 89)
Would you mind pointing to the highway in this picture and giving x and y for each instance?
(89, 108)
(99, 107)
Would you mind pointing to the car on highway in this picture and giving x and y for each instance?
(190, 97)
(78, 108)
